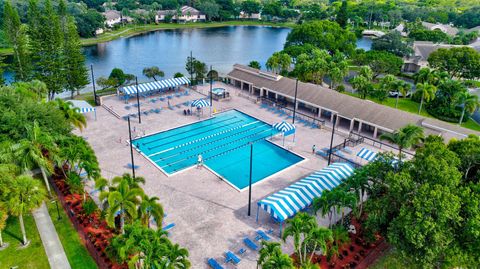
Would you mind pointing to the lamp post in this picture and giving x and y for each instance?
(131, 147)
(93, 83)
(138, 102)
(250, 180)
(331, 139)
(191, 67)
(211, 97)
(58, 211)
(295, 101)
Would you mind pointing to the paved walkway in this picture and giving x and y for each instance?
(53, 247)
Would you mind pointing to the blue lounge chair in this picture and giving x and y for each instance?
(214, 264)
(241, 251)
(322, 153)
(168, 227)
(263, 235)
(230, 257)
(157, 110)
(170, 107)
(135, 166)
(162, 99)
(249, 243)
(127, 107)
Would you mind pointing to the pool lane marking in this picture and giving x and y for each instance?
(214, 123)
(203, 138)
(220, 146)
(181, 138)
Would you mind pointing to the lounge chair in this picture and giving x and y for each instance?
(153, 100)
(347, 150)
(157, 110)
(241, 251)
(250, 244)
(322, 153)
(162, 99)
(145, 112)
(168, 227)
(170, 107)
(263, 235)
(230, 257)
(127, 107)
(129, 165)
(214, 264)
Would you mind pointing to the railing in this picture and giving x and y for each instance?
(375, 143)
(111, 111)
(298, 114)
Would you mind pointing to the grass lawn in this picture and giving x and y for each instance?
(391, 260)
(406, 104)
(78, 256)
(31, 257)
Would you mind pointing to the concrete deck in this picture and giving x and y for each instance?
(210, 216)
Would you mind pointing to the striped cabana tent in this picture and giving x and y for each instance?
(286, 129)
(83, 107)
(367, 154)
(286, 203)
(154, 85)
(200, 103)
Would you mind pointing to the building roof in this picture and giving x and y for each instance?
(423, 49)
(449, 30)
(185, 10)
(112, 15)
(346, 106)
(474, 29)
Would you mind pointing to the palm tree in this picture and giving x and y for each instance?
(344, 199)
(153, 72)
(359, 183)
(297, 227)
(319, 237)
(30, 153)
(324, 204)
(150, 209)
(123, 201)
(428, 93)
(425, 75)
(133, 182)
(174, 257)
(25, 195)
(401, 87)
(363, 81)
(469, 103)
(72, 114)
(405, 137)
(340, 238)
(255, 64)
(3, 222)
(271, 257)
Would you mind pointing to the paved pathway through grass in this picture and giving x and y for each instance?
(53, 247)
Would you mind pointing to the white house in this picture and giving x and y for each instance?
(185, 14)
(113, 17)
(253, 16)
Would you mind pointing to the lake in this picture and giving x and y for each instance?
(220, 47)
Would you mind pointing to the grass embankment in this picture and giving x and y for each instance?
(32, 256)
(77, 255)
(391, 260)
(406, 104)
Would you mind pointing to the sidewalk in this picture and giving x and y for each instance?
(53, 247)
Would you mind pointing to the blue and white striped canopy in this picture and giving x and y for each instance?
(289, 201)
(367, 154)
(200, 103)
(86, 109)
(155, 85)
(284, 126)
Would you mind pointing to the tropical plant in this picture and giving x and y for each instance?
(428, 93)
(297, 228)
(72, 114)
(340, 238)
(35, 151)
(319, 237)
(123, 201)
(469, 103)
(150, 209)
(344, 199)
(405, 137)
(153, 72)
(324, 204)
(279, 62)
(255, 64)
(401, 88)
(363, 81)
(25, 195)
(3, 221)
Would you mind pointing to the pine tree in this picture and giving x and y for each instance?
(17, 36)
(47, 47)
(76, 73)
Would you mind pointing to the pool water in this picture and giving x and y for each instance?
(224, 143)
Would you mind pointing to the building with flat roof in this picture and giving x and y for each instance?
(353, 114)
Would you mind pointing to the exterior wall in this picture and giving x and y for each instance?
(112, 22)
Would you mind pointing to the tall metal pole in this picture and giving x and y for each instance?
(93, 83)
(211, 97)
(331, 139)
(138, 102)
(131, 147)
(295, 101)
(250, 180)
(191, 67)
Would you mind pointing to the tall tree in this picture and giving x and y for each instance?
(255, 64)
(460, 62)
(123, 201)
(363, 81)
(469, 103)
(3, 221)
(76, 74)
(405, 137)
(153, 72)
(342, 14)
(25, 196)
(401, 88)
(46, 43)
(428, 92)
(150, 209)
(72, 114)
(17, 36)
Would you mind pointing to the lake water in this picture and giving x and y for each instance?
(168, 49)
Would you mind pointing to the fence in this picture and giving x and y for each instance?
(298, 114)
(376, 143)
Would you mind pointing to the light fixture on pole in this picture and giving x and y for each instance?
(93, 83)
(331, 139)
(138, 102)
(295, 101)
(250, 180)
(211, 97)
(131, 147)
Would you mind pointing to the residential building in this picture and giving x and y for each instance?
(253, 16)
(113, 17)
(185, 14)
(447, 29)
(353, 114)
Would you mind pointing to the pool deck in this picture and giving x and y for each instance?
(210, 216)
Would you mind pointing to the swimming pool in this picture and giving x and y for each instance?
(223, 141)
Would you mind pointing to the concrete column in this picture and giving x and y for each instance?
(352, 123)
(375, 132)
(296, 105)
(250, 88)
(338, 121)
(276, 96)
(319, 112)
(359, 127)
(241, 85)
(331, 117)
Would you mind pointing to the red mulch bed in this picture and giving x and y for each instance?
(358, 254)
(93, 230)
